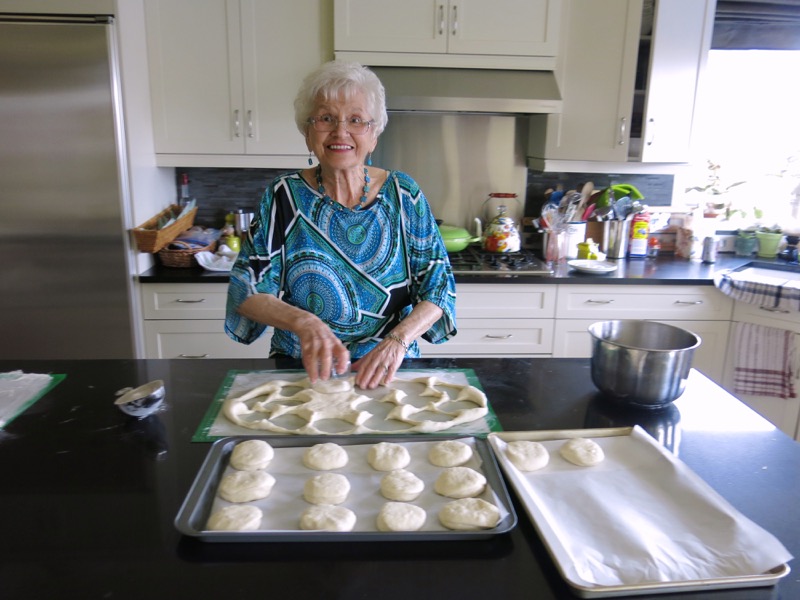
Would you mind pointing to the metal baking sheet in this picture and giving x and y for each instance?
(215, 425)
(556, 535)
(365, 498)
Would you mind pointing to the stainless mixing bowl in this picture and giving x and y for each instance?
(641, 363)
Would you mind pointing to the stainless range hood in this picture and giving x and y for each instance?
(484, 91)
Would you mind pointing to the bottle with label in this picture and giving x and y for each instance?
(184, 199)
(640, 232)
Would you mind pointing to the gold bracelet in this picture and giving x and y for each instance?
(398, 339)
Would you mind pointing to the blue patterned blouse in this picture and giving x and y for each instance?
(360, 271)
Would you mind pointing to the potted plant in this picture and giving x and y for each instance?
(769, 239)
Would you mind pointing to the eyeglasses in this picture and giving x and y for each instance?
(354, 125)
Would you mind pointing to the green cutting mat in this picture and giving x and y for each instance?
(215, 425)
(18, 406)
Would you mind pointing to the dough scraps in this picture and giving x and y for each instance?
(327, 488)
(527, 456)
(246, 486)
(460, 482)
(401, 485)
(450, 453)
(325, 457)
(469, 514)
(236, 517)
(258, 408)
(399, 516)
(582, 452)
(328, 518)
(251, 455)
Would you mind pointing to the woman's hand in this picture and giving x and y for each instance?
(379, 365)
(322, 353)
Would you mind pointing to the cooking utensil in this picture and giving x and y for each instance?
(455, 238)
(501, 234)
(641, 363)
(143, 400)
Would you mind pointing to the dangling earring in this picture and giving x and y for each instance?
(310, 162)
(369, 159)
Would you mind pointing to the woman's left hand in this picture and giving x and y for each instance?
(379, 365)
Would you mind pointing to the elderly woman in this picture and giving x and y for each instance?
(343, 259)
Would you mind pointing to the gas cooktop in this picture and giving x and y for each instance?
(474, 261)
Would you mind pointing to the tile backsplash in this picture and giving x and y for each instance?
(221, 190)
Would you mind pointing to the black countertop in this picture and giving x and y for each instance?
(89, 495)
(664, 270)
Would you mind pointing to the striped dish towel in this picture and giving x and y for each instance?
(765, 361)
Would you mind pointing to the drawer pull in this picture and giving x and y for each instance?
(192, 355)
(500, 337)
(774, 310)
(689, 303)
(590, 301)
(198, 301)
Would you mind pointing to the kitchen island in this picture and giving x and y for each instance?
(89, 494)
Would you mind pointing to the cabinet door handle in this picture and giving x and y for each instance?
(623, 128)
(249, 123)
(590, 301)
(689, 303)
(441, 19)
(773, 309)
(236, 131)
(455, 19)
(499, 337)
(198, 301)
(192, 355)
(651, 130)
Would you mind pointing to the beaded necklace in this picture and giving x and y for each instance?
(321, 189)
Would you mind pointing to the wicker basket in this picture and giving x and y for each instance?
(182, 257)
(151, 239)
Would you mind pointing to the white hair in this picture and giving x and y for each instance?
(337, 78)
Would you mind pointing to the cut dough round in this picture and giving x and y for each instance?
(246, 486)
(469, 514)
(327, 488)
(401, 485)
(527, 456)
(333, 386)
(251, 455)
(328, 518)
(450, 453)
(324, 457)
(460, 482)
(386, 456)
(582, 452)
(399, 516)
(236, 517)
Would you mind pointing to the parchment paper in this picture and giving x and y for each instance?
(283, 507)
(641, 516)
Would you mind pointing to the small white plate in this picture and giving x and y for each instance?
(592, 266)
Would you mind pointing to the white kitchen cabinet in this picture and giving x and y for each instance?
(509, 34)
(783, 413)
(187, 321)
(223, 76)
(629, 92)
(702, 310)
(500, 320)
(596, 72)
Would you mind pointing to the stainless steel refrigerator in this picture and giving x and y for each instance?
(63, 245)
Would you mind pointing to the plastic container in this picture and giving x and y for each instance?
(640, 232)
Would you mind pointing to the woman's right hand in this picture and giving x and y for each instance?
(322, 352)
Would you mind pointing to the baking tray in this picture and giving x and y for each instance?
(201, 499)
(556, 535)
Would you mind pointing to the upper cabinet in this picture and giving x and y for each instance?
(629, 83)
(224, 74)
(506, 34)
